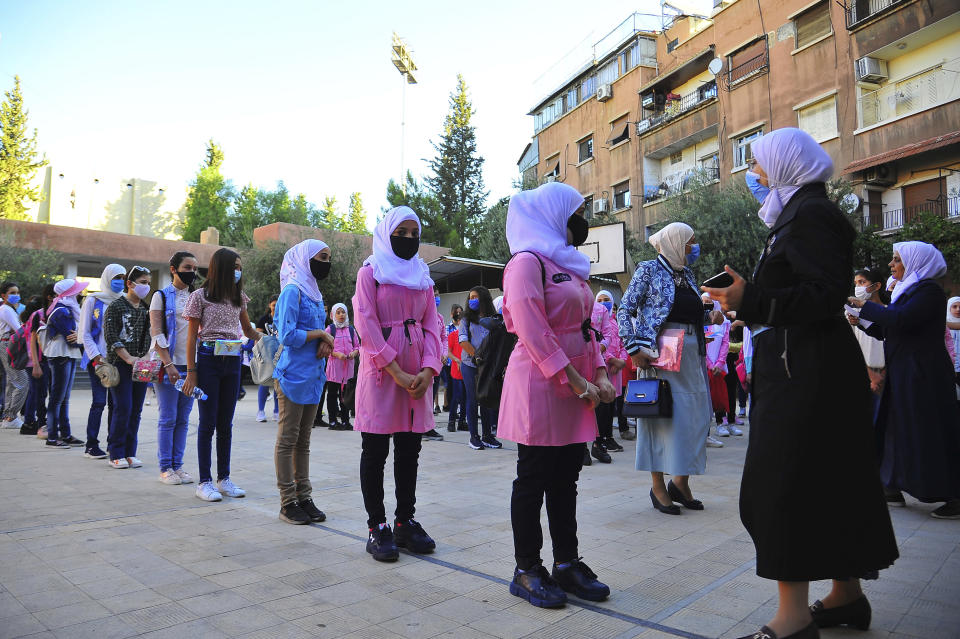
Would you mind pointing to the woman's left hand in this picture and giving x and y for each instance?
(855, 302)
(421, 384)
(730, 297)
(605, 390)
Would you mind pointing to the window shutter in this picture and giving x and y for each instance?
(813, 24)
(820, 119)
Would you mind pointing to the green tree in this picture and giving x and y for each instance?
(244, 217)
(869, 249)
(434, 228)
(31, 269)
(356, 221)
(457, 180)
(941, 232)
(209, 198)
(322, 217)
(18, 156)
(492, 233)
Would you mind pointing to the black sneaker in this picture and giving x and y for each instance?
(314, 513)
(411, 535)
(463, 426)
(586, 456)
(576, 578)
(292, 513)
(433, 436)
(598, 451)
(950, 510)
(894, 497)
(491, 442)
(381, 544)
(627, 435)
(94, 452)
(333, 425)
(451, 427)
(436, 410)
(538, 587)
(345, 425)
(53, 443)
(612, 445)
(73, 441)
(475, 443)
(29, 428)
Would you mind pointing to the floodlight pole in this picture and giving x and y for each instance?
(404, 63)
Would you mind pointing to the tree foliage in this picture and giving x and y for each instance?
(457, 174)
(31, 269)
(18, 156)
(210, 197)
(492, 233)
(942, 233)
(869, 249)
(434, 229)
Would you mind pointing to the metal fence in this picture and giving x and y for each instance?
(909, 95)
(948, 208)
(752, 66)
(859, 10)
(678, 106)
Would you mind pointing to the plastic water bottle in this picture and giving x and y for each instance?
(197, 393)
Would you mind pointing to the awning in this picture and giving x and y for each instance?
(554, 167)
(619, 133)
(461, 273)
(904, 151)
(680, 74)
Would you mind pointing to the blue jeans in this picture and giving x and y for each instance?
(172, 426)
(62, 370)
(486, 418)
(36, 406)
(262, 393)
(219, 377)
(101, 399)
(458, 400)
(127, 403)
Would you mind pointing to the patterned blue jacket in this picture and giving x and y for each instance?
(647, 301)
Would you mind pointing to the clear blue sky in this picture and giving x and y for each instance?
(293, 90)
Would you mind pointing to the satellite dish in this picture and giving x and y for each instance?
(715, 65)
(850, 201)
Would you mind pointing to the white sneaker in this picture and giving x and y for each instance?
(134, 462)
(170, 478)
(207, 492)
(276, 417)
(119, 464)
(9, 423)
(184, 476)
(713, 442)
(230, 489)
(261, 416)
(736, 432)
(722, 430)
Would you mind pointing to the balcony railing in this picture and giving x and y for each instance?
(754, 66)
(916, 93)
(680, 182)
(948, 208)
(859, 10)
(678, 106)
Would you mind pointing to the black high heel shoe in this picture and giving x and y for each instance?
(677, 496)
(666, 510)
(855, 614)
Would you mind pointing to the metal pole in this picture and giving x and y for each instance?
(403, 122)
(133, 206)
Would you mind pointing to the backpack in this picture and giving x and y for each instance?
(263, 359)
(333, 333)
(493, 355)
(17, 347)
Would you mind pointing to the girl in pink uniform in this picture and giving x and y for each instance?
(396, 318)
(340, 366)
(555, 379)
(614, 356)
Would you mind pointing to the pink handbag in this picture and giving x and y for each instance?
(146, 370)
(670, 344)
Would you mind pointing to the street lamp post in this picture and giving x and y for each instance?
(404, 63)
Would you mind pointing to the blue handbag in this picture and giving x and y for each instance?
(650, 397)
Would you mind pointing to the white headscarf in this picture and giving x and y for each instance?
(346, 315)
(951, 302)
(387, 267)
(498, 305)
(537, 221)
(791, 158)
(596, 298)
(671, 242)
(921, 261)
(106, 294)
(296, 268)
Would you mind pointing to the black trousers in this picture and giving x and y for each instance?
(551, 472)
(335, 408)
(621, 420)
(373, 458)
(605, 415)
(733, 385)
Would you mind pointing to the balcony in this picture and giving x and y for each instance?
(948, 208)
(755, 66)
(913, 94)
(860, 10)
(680, 182)
(676, 106)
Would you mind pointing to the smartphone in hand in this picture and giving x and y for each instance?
(720, 280)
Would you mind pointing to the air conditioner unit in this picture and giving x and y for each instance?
(871, 69)
(600, 206)
(881, 175)
(604, 92)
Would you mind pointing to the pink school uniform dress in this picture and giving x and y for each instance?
(340, 371)
(537, 407)
(603, 321)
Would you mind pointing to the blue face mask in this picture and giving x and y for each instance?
(116, 286)
(237, 274)
(13, 299)
(474, 304)
(607, 305)
(753, 183)
(436, 300)
(694, 254)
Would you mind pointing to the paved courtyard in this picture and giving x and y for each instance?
(87, 551)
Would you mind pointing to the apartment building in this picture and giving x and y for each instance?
(874, 81)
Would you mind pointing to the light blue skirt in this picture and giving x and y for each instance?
(678, 445)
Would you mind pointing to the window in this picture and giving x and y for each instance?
(553, 167)
(607, 73)
(747, 61)
(812, 24)
(619, 131)
(588, 207)
(710, 166)
(621, 196)
(819, 119)
(572, 98)
(676, 158)
(588, 88)
(585, 149)
(741, 148)
(672, 44)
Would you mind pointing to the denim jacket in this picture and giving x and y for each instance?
(648, 298)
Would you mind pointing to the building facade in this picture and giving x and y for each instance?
(876, 82)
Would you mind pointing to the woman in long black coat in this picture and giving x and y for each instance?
(811, 496)
(918, 423)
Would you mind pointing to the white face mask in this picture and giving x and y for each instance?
(861, 293)
(141, 290)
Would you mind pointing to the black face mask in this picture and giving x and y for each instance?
(319, 269)
(187, 277)
(404, 247)
(579, 227)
